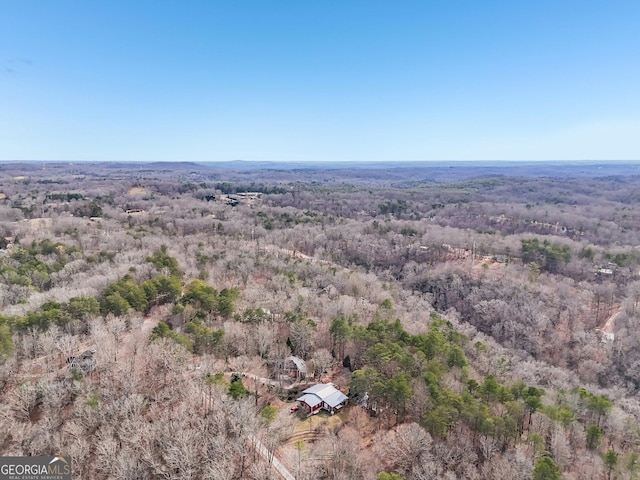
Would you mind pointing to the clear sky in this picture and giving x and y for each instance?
(323, 80)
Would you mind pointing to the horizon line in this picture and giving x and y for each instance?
(323, 161)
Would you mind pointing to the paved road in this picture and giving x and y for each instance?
(280, 468)
(262, 450)
(608, 326)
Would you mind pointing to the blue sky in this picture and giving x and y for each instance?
(319, 81)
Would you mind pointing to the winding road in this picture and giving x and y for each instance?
(271, 459)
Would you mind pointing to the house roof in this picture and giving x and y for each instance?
(310, 399)
(85, 361)
(324, 392)
(87, 354)
(299, 363)
(335, 399)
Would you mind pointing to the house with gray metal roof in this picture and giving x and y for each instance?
(323, 396)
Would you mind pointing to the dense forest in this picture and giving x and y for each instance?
(482, 320)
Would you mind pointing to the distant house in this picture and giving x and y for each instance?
(608, 337)
(323, 396)
(85, 362)
(248, 198)
(230, 200)
(295, 367)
